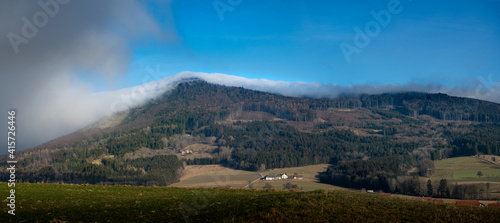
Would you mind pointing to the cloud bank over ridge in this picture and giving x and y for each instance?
(95, 106)
(135, 96)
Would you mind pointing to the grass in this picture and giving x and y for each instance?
(445, 200)
(472, 174)
(240, 178)
(309, 183)
(465, 169)
(234, 178)
(93, 203)
(302, 184)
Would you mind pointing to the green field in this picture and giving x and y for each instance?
(488, 175)
(94, 203)
(241, 178)
(462, 169)
(233, 178)
(309, 183)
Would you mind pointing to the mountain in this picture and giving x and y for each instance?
(363, 136)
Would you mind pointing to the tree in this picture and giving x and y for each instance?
(430, 190)
(289, 186)
(443, 190)
(488, 190)
(480, 173)
(262, 167)
(268, 186)
(425, 167)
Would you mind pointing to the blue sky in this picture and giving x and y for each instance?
(436, 42)
(92, 46)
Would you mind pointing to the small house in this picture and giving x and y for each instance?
(273, 177)
(284, 176)
(268, 177)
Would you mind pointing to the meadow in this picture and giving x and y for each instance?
(96, 203)
(465, 169)
(310, 181)
(216, 175)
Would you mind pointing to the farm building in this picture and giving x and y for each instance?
(470, 203)
(275, 177)
(298, 177)
(186, 151)
(272, 177)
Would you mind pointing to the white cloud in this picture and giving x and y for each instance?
(135, 96)
(483, 88)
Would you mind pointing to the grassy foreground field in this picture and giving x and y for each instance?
(93, 203)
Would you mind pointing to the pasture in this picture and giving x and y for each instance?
(216, 175)
(463, 169)
(97, 203)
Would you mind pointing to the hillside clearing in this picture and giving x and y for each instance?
(214, 176)
(466, 168)
(196, 170)
(310, 181)
(217, 175)
(463, 170)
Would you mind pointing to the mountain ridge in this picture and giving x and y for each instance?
(342, 99)
(257, 130)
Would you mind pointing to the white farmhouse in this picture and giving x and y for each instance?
(275, 177)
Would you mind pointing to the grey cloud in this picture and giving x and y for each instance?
(71, 36)
(483, 88)
(127, 98)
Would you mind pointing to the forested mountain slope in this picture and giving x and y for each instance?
(379, 136)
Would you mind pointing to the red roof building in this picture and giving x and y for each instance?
(470, 203)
